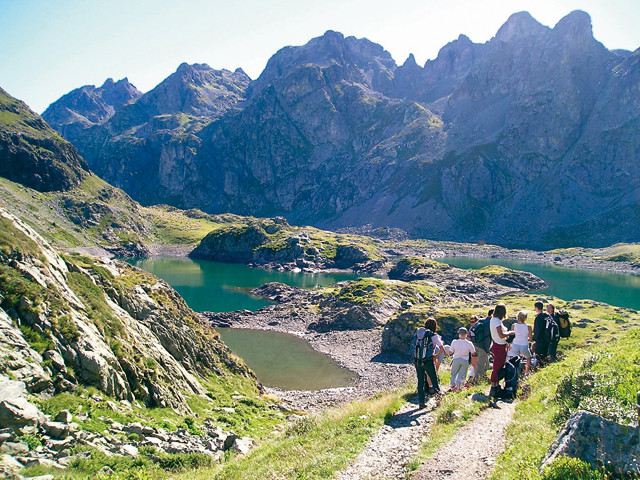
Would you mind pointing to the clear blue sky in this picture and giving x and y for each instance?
(51, 47)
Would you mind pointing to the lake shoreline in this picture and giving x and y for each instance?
(433, 250)
(357, 350)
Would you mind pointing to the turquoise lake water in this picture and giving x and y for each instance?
(210, 286)
(622, 290)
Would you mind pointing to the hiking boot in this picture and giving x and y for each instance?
(493, 393)
(422, 406)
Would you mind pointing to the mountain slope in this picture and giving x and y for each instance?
(517, 141)
(155, 137)
(32, 154)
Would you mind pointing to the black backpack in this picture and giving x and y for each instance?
(424, 348)
(552, 330)
(564, 324)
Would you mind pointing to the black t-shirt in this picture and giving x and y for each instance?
(539, 326)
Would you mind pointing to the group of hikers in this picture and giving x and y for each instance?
(486, 341)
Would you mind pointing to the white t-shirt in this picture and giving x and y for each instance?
(494, 325)
(522, 334)
(462, 348)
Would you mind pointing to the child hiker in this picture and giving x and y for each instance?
(461, 348)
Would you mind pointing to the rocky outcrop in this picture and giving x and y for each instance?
(60, 437)
(274, 243)
(597, 441)
(101, 323)
(528, 139)
(32, 154)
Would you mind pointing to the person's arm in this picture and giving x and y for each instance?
(530, 333)
(437, 345)
(501, 333)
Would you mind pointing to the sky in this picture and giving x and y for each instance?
(48, 48)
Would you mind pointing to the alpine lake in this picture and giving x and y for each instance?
(288, 362)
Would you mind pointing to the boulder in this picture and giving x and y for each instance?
(242, 445)
(64, 416)
(15, 410)
(57, 430)
(14, 448)
(597, 441)
(57, 362)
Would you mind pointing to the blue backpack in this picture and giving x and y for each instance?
(424, 347)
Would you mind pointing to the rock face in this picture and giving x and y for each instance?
(117, 328)
(529, 139)
(156, 134)
(32, 154)
(597, 441)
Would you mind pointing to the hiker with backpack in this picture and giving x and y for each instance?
(480, 334)
(564, 323)
(540, 343)
(425, 348)
(499, 335)
(552, 332)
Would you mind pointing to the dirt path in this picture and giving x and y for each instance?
(471, 453)
(388, 452)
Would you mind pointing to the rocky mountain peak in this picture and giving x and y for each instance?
(88, 105)
(575, 28)
(520, 25)
(359, 59)
(410, 62)
(195, 89)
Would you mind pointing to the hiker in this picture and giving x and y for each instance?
(520, 344)
(482, 343)
(540, 345)
(553, 333)
(499, 334)
(461, 348)
(426, 346)
(471, 337)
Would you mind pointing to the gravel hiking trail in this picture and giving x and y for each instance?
(472, 452)
(393, 446)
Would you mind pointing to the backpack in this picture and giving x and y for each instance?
(424, 347)
(552, 330)
(480, 331)
(564, 324)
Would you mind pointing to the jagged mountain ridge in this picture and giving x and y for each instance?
(489, 141)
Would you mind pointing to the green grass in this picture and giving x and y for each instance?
(13, 240)
(172, 226)
(368, 291)
(314, 447)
